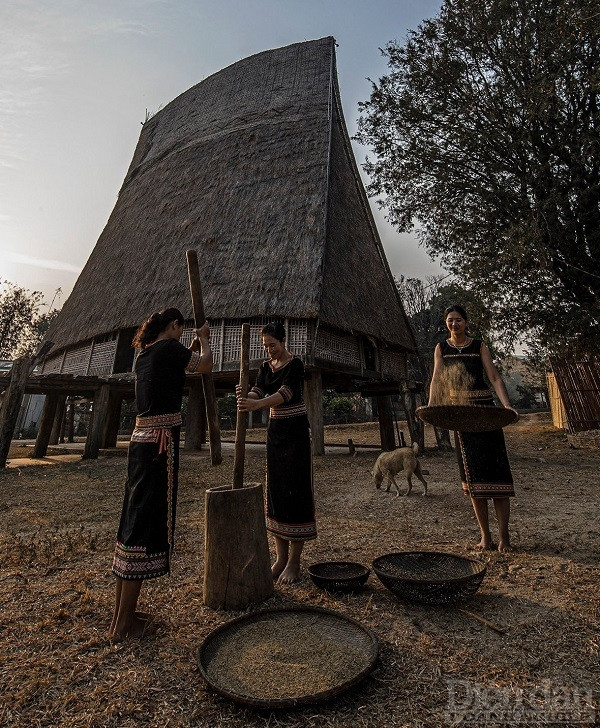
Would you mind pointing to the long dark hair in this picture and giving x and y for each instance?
(274, 329)
(154, 325)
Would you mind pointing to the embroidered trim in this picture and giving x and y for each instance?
(293, 531)
(132, 562)
(290, 410)
(193, 363)
(168, 420)
(285, 392)
(156, 428)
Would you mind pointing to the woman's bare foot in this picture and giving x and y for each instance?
(138, 629)
(486, 545)
(278, 567)
(290, 574)
(504, 547)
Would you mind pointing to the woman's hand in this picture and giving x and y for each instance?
(245, 404)
(203, 332)
(507, 406)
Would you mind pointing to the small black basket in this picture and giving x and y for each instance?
(430, 577)
(339, 575)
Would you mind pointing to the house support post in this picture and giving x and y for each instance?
(45, 427)
(195, 421)
(113, 420)
(95, 436)
(71, 421)
(58, 420)
(412, 400)
(386, 423)
(11, 404)
(313, 398)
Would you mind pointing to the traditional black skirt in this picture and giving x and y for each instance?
(147, 525)
(482, 459)
(290, 509)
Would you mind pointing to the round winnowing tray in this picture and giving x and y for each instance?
(467, 417)
(285, 657)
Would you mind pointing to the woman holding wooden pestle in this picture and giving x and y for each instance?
(145, 535)
(290, 501)
(459, 363)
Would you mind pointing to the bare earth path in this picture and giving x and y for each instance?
(57, 526)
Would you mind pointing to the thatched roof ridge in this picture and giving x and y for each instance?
(236, 167)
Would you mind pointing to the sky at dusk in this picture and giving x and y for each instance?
(77, 78)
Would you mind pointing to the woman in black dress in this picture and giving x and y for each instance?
(485, 471)
(146, 528)
(290, 507)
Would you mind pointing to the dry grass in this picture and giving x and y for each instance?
(57, 533)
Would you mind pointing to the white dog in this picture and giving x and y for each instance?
(389, 464)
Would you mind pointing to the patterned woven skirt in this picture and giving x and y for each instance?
(290, 508)
(483, 461)
(146, 528)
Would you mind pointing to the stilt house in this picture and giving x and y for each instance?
(253, 168)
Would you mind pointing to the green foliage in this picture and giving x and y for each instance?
(485, 133)
(23, 324)
(338, 407)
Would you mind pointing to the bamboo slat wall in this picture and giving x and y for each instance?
(579, 387)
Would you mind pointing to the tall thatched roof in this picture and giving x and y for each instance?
(253, 168)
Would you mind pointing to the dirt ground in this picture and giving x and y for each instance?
(438, 666)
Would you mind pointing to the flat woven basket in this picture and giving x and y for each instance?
(430, 577)
(286, 657)
(467, 417)
(339, 575)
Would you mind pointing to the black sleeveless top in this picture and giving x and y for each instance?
(467, 356)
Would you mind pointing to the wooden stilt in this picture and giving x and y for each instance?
(113, 420)
(196, 416)
(95, 435)
(11, 404)
(71, 422)
(386, 423)
(58, 420)
(45, 427)
(313, 398)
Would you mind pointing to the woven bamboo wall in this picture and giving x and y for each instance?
(579, 387)
(340, 350)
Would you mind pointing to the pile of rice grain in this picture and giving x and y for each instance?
(287, 657)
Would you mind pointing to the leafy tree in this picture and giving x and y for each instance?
(486, 132)
(23, 324)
